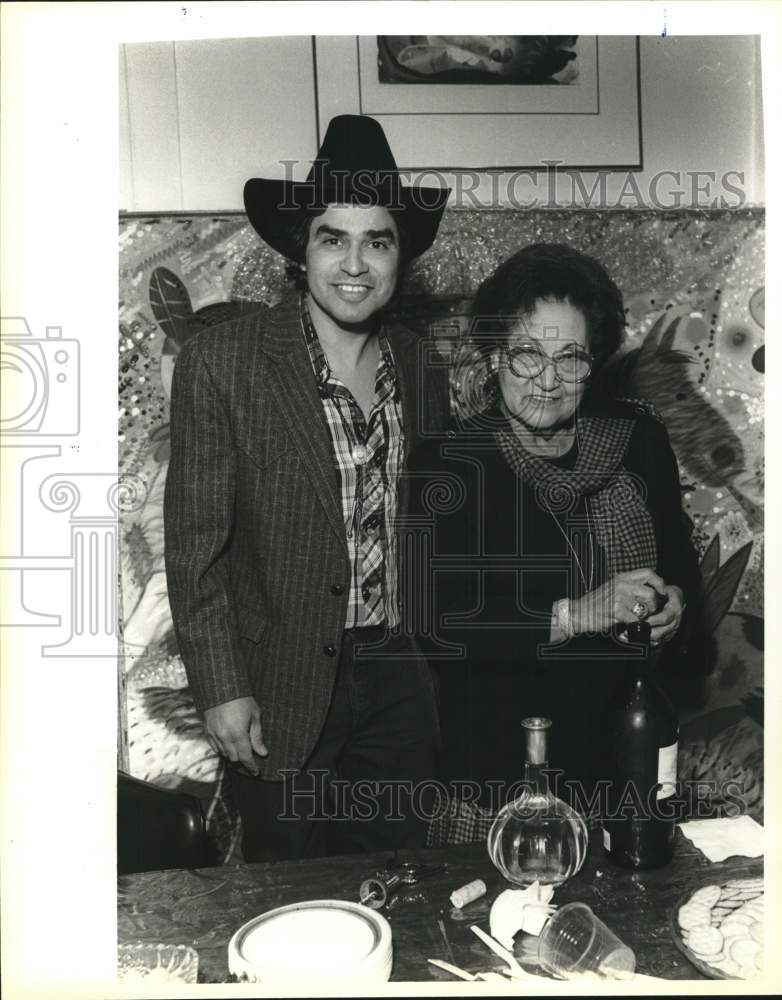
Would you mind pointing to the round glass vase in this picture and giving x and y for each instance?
(537, 837)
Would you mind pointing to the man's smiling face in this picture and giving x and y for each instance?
(352, 262)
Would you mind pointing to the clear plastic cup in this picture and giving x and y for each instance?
(575, 943)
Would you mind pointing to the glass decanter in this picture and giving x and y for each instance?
(537, 837)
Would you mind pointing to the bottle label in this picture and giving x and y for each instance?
(606, 839)
(666, 770)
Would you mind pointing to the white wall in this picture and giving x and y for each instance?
(203, 116)
(701, 106)
(701, 110)
(198, 118)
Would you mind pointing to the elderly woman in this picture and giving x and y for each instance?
(556, 519)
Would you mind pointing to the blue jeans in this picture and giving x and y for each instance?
(369, 782)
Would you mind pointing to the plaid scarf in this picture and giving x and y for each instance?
(614, 498)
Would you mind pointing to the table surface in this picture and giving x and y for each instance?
(203, 908)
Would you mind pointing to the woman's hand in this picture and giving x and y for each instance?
(665, 624)
(612, 604)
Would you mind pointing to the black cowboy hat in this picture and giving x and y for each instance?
(354, 166)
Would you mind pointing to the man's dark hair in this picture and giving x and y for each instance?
(549, 271)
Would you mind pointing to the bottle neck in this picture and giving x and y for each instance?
(641, 662)
(535, 777)
(641, 669)
(536, 754)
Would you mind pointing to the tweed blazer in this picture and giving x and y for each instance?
(256, 556)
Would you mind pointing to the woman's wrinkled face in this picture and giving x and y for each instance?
(547, 348)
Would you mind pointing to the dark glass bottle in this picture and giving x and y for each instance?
(643, 732)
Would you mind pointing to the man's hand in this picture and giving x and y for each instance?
(234, 730)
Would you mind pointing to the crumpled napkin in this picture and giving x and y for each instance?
(725, 838)
(519, 910)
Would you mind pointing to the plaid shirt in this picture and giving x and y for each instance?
(367, 461)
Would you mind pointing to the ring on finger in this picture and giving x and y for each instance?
(640, 610)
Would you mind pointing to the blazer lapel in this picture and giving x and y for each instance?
(404, 346)
(298, 399)
(300, 403)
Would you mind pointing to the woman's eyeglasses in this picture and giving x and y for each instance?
(528, 361)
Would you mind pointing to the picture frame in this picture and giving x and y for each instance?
(492, 128)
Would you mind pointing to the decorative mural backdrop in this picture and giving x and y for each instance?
(693, 287)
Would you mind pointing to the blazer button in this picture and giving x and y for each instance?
(337, 589)
(330, 650)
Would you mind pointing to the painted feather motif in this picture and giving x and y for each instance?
(170, 304)
(702, 438)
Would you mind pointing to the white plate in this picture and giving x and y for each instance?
(322, 940)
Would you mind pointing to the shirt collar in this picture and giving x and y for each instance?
(386, 371)
(320, 365)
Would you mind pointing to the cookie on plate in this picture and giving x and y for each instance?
(693, 915)
(722, 927)
(706, 942)
(707, 895)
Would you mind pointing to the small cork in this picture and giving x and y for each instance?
(468, 893)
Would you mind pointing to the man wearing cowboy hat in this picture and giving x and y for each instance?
(290, 429)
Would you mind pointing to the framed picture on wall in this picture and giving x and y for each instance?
(489, 102)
